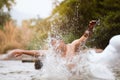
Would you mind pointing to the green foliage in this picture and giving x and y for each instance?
(6, 3)
(74, 16)
(5, 16)
(108, 28)
(109, 10)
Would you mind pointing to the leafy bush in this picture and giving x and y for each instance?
(76, 14)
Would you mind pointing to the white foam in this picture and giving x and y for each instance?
(89, 65)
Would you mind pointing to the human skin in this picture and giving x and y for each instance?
(66, 50)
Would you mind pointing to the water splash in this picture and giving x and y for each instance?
(57, 68)
(85, 65)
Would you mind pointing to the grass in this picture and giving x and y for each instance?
(12, 37)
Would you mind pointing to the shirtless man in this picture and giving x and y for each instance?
(66, 50)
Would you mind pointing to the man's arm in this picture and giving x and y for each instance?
(14, 54)
(85, 36)
(19, 52)
(34, 53)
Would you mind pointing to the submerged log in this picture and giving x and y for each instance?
(37, 62)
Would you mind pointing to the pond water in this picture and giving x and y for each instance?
(89, 65)
(16, 70)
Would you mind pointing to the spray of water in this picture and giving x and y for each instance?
(85, 65)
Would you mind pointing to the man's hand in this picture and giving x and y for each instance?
(92, 24)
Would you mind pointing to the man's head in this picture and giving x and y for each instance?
(58, 45)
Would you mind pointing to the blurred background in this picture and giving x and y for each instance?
(26, 24)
